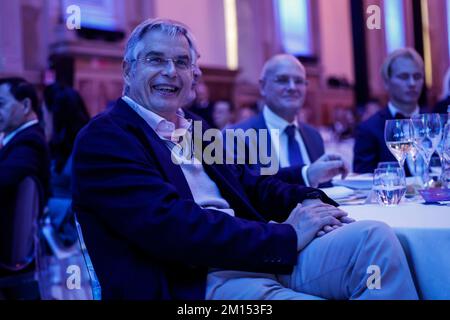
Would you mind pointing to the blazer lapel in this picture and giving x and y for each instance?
(309, 144)
(155, 145)
(262, 125)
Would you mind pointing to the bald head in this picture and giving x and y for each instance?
(279, 59)
(283, 85)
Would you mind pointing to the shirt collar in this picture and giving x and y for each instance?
(11, 135)
(394, 110)
(274, 121)
(165, 129)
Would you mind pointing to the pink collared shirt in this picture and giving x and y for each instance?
(165, 129)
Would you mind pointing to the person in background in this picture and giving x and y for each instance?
(202, 106)
(372, 106)
(443, 105)
(245, 112)
(23, 153)
(64, 115)
(403, 74)
(283, 88)
(222, 114)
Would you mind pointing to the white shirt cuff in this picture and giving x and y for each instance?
(305, 175)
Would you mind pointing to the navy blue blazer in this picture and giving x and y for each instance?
(311, 137)
(27, 154)
(147, 237)
(370, 147)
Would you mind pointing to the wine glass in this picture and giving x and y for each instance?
(440, 146)
(389, 185)
(398, 135)
(427, 132)
(446, 156)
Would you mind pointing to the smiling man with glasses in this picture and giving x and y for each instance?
(159, 230)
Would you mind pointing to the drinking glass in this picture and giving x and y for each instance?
(446, 157)
(398, 135)
(389, 185)
(427, 133)
(388, 164)
(440, 146)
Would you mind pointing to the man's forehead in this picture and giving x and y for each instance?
(405, 64)
(5, 90)
(286, 66)
(160, 41)
(288, 70)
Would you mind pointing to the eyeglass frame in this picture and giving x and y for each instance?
(279, 80)
(164, 62)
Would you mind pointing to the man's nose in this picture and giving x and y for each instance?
(169, 68)
(292, 85)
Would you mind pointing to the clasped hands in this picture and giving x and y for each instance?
(313, 218)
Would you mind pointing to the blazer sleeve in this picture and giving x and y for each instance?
(273, 197)
(365, 150)
(24, 159)
(116, 180)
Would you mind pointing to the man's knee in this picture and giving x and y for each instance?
(376, 234)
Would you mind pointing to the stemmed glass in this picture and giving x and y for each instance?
(440, 146)
(398, 135)
(427, 135)
(446, 156)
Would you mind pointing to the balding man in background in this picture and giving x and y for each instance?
(299, 146)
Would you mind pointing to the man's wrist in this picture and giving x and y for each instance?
(310, 181)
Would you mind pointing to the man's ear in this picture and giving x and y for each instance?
(386, 84)
(262, 84)
(27, 106)
(126, 70)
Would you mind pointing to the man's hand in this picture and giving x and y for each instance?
(325, 168)
(309, 221)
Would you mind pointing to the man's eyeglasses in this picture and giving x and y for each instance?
(161, 62)
(285, 80)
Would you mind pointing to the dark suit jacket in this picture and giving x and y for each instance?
(370, 147)
(311, 137)
(147, 237)
(442, 106)
(25, 155)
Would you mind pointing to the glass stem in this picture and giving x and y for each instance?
(427, 174)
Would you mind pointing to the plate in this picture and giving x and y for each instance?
(338, 192)
(435, 194)
(356, 181)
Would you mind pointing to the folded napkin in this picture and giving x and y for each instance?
(337, 193)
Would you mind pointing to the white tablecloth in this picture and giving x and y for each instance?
(424, 232)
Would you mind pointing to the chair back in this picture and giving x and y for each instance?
(95, 283)
(17, 251)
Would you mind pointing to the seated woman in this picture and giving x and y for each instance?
(64, 114)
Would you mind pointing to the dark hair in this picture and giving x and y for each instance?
(69, 116)
(22, 89)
